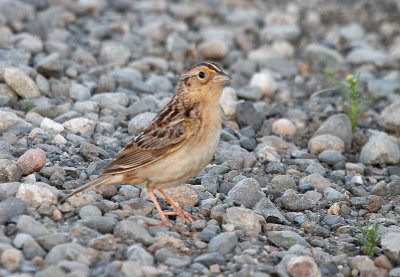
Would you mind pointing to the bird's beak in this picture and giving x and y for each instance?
(221, 77)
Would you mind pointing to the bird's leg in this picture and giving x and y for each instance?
(178, 210)
(163, 218)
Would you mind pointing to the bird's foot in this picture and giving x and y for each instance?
(160, 223)
(182, 213)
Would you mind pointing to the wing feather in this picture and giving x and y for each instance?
(167, 133)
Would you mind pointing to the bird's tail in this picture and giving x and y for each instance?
(102, 180)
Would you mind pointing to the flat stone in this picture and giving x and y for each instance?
(21, 83)
(247, 192)
(68, 251)
(244, 218)
(286, 239)
(10, 208)
(35, 194)
(223, 243)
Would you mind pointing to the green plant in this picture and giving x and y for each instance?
(330, 73)
(369, 238)
(354, 104)
(26, 105)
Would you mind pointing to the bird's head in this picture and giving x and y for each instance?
(203, 82)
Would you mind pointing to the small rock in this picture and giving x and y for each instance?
(209, 259)
(394, 187)
(271, 214)
(338, 125)
(68, 251)
(286, 239)
(383, 262)
(321, 57)
(10, 171)
(227, 103)
(223, 243)
(281, 32)
(213, 49)
(89, 210)
(244, 218)
(128, 229)
(10, 208)
(250, 93)
(50, 66)
(380, 150)
(320, 143)
(284, 126)
(373, 203)
(140, 122)
(266, 82)
(49, 124)
(391, 246)
(104, 243)
(21, 83)
(28, 225)
(80, 125)
(79, 92)
(140, 255)
(11, 259)
(315, 168)
(361, 56)
(293, 201)
(303, 266)
(184, 195)
(247, 192)
(320, 183)
(132, 269)
(352, 31)
(114, 53)
(361, 262)
(333, 195)
(373, 272)
(37, 194)
(283, 183)
(331, 157)
(32, 161)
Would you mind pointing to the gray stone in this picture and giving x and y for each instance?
(321, 57)
(247, 192)
(278, 32)
(8, 119)
(79, 92)
(68, 251)
(247, 115)
(80, 125)
(10, 171)
(352, 31)
(106, 99)
(29, 246)
(10, 208)
(286, 239)
(320, 143)
(50, 66)
(129, 191)
(28, 225)
(8, 190)
(293, 201)
(380, 150)
(210, 259)
(50, 271)
(215, 49)
(333, 195)
(331, 157)
(209, 232)
(128, 229)
(140, 255)
(320, 183)
(362, 56)
(223, 243)
(283, 183)
(331, 220)
(104, 243)
(271, 214)
(86, 107)
(316, 168)
(140, 122)
(390, 117)
(178, 261)
(390, 243)
(114, 53)
(338, 125)
(244, 218)
(21, 83)
(387, 89)
(126, 77)
(102, 224)
(394, 188)
(48, 241)
(395, 272)
(250, 93)
(36, 194)
(132, 269)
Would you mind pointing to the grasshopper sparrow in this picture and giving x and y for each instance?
(179, 142)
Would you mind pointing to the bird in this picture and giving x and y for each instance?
(178, 143)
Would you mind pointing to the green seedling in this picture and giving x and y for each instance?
(369, 238)
(26, 105)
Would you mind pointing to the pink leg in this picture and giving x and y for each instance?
(178, 210)
(164, 220)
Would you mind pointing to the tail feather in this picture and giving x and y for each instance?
(102, 180)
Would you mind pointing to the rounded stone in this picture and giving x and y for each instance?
(266, 82)
(11, 259)
(321, 143)
(213, 49)
(284, 126)
(32, 161)
(21, 83)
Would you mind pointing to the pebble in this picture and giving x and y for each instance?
(284, 126)
(184, 195)
(37, 194)
(10, 208)
(247, 192)
(80, 125)
(331, 157)
(321, 143)
(286, 239)
(11, 259)
(362, 56)
(104, 243)
(321, 57)
(380, 150)
(50, 66)
(32, 161)
(266, 82)
(68, 251)
(138, 254)
(213, 49)
(333, 195)
(10, 171)
(244, 218)
(293, 201)
(8, 119)
(391, 247)
(79, 92)
(319, 182)
(21, 83)
(223, 243)
(28, 225)
(140, 122)
(283, 183)
(127, 229)
(49, 124)
(114, 53)
(302, 266)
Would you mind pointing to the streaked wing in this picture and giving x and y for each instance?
(167, 133)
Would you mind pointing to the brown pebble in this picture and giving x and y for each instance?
(383, 262)
(106, 191)
(32, 160)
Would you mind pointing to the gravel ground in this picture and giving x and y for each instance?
(289, 183)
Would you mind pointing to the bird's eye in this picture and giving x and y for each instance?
(202, 75)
